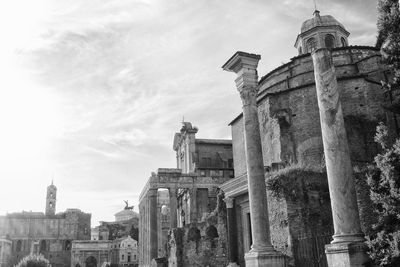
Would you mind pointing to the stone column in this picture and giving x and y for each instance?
(153, 212)
(232, 241)
(193, 205)
(173, 205)
(347, 247)
(262, 253)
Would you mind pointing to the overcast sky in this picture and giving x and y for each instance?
(92, 92)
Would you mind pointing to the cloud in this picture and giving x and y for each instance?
(113, 80)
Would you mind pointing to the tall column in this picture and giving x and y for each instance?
(262, 253)
(347, 247)
(153, 212)
(232, 240)
(173, 205)
(193, 205)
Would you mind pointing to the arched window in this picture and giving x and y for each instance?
(329, 41)
(300, 50)
(343, 41)
(311, 44)
(19, 246)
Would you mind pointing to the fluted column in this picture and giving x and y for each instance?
(347, 247)
(173, 205)
(262, 253)
(153, 212)
(232, 240)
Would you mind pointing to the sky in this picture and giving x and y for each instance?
(92, 92)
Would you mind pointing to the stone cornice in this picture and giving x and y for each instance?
(235, 187)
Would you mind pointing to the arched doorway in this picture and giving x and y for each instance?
(91, 262)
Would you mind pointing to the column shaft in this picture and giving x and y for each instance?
(193, 205)
(232, 240)
(173, 205)
(153, 212)
(255, 171)
(337, 156)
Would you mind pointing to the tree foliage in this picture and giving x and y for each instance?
(34, 260)
(384, 183)
(389, 43)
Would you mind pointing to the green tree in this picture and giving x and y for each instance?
(34, 260)
(389, 43)
(384, 183)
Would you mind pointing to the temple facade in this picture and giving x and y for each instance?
(299, 206)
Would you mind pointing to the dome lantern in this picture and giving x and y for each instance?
(321, 31)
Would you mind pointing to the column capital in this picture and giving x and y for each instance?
(249, 95)
(229, 202)
(240, 60)
(245, 66)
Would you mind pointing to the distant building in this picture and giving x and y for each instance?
(5, 251)
(94, 233)
(126, 224)
(126, 252)
(125, 214)
(91, 253)
(118, 252)
(50, 234)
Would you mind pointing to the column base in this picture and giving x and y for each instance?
(264, 259)
(233, 264)
(351, 254)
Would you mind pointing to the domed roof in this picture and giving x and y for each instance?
(317, 20)
(127, 213)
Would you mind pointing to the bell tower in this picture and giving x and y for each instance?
(51, 199)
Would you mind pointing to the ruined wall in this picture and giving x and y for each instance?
(200, 244)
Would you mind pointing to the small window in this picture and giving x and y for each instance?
(311, 45)
(300, 50)
(343, 41)
(329, 41)
(123, 256)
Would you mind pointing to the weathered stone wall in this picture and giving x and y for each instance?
(288, 109)
(200, 244)
(298, 206)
